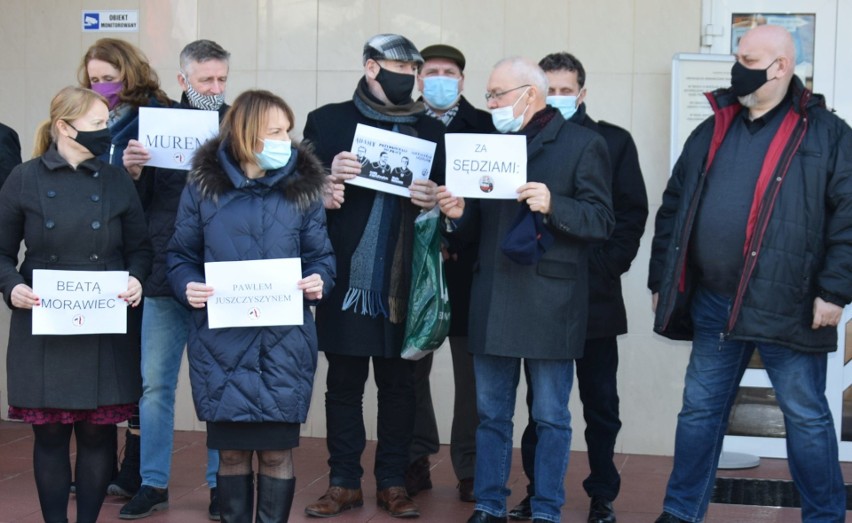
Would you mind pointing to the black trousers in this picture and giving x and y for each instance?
(344, 413)
(596, 379)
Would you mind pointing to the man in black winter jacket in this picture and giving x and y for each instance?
(203, 74)
(597, 369)
(752, 250)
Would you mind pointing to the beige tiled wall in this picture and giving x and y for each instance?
(309, 52)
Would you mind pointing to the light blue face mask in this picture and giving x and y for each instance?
(504, 119)
(441, 92)
(567, 105)
(275, 154)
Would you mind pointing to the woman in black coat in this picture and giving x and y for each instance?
(251, 195)
(120, 72)
(74, 212)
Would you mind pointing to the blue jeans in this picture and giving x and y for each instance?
(715, 369)
(164, 333)
(496, 388)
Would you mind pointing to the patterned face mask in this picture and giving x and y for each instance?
(205, 102)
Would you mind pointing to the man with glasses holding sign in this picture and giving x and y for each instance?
(530, 295)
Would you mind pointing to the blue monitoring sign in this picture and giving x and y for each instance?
(111, 21)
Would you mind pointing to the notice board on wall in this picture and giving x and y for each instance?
(693, 75)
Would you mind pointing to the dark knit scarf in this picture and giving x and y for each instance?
(372, 291)
(538, 122)
(375, 109)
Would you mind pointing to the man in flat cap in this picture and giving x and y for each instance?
(441, 82)
(364, 318)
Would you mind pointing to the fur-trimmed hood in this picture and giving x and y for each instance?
(216, 172)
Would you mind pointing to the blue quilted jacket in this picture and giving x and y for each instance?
(250, 374)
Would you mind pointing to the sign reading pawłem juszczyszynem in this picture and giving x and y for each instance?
(254, 293)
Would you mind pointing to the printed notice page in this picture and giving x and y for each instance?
(390, 161)
(173, 135)
(80, 302)
(255, 293)
(486, 165)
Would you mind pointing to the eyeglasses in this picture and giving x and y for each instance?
(494, 95)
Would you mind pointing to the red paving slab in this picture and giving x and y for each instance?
(643, 485)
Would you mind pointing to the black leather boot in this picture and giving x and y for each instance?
(236, 498)
(274, 499)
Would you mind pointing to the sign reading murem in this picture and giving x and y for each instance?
(111, 21)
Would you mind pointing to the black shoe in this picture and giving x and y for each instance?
(601, 511)
(213, 510)
(665, 517)
(484, 517)
(522, 511)
(147, 501)
(128, 480)
(418, 476)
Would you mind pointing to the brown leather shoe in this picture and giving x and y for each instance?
(334, 501)
(396, 501)
(466, 490)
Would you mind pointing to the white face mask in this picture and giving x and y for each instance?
(504, 117)
(275, 154)
(567, 105)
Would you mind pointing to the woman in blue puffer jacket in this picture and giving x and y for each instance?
(252, 195)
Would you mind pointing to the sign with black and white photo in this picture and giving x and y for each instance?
(390, 161)
(79, 302)
(490, 166)
(173, 135)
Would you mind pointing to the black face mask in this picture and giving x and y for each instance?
(397, 86)
(745, 81)
(97, 142)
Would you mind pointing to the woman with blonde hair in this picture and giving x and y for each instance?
(252, 195)
(120, 72)
(74, 212)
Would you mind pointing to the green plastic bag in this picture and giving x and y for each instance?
(428, 321)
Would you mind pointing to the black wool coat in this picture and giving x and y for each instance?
(330, 129)
(610, 259)
(84, 219)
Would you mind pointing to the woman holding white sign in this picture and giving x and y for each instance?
(75, 213)
(252, 195)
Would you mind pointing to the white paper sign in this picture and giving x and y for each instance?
(173, 135)
(80, 302)
(486, 165)
(390, 161)
(256, 293)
